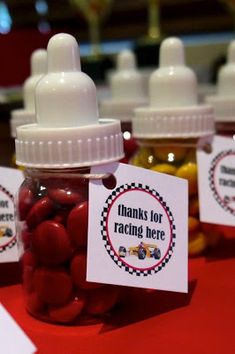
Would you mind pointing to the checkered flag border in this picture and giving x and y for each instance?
(12, 243)
(211, 180)
(109, 248)
(8, 246)
(4, 190)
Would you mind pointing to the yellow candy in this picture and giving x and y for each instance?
(193, 224)
(135, 161)
(189, 171)
(165, 168)
(197, 243)
(169, 153)
(21, 168)
(194, 206)
(146, 157)
(13, 163)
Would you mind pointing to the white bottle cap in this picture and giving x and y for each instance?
(173, 111)
(224, 102)
(127, 89)
(38, 67)
(68, 133)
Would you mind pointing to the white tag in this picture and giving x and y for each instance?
(138, 231)
(216, 178)
(10, 181)
(13, 339)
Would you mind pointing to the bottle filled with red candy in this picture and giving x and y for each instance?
(53, 201)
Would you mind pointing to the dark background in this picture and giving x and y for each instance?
(127, 19)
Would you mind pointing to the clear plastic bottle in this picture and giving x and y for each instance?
(224, 101)
(127, 93)
(52, 203)
(168, 132)
(26, 115)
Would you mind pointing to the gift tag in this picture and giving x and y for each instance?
(216, 178)
(10, 180)
(138, 228)
(13, 339)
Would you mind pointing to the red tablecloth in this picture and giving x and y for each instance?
(200, 322)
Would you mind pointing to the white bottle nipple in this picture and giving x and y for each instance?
(65, 97)
(126, 60)
(68, 133)
(38, 67)
(226, 76)
(126, 82)
(173, 84)
(39, 62)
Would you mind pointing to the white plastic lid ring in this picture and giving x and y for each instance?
(173, 110)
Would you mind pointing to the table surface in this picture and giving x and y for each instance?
(200, 322)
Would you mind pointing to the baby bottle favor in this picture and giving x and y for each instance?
(127, 93)
(26, 115)
(224, 101)
(169, 129)
(52, 205)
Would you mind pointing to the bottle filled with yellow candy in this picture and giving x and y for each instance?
(168, 132)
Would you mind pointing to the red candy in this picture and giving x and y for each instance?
(130, 147)
(40, 211)
(53, 286)
(29, 264)
(25, 201)
(27, 277)
(29, 260)
(62, 216)
(33, 303)
(51, 243)
(78, 224)
(26, 237)
(124, 160)
(102, 300)
(78, 272)
(110, 182)
(68, 312)
(63, 193)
